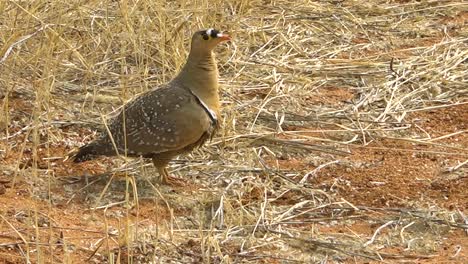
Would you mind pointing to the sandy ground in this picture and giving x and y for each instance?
(310, 188)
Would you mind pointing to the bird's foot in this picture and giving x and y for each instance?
(172, 181)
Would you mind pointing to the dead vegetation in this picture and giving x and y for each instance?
(343, 139)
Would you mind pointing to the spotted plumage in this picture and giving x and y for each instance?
(171, 119)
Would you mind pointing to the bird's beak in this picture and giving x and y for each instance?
(223, 36)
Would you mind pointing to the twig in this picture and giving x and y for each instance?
(377, 232)
(18, 42)
(314, 172)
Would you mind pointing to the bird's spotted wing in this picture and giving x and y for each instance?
(167, 119)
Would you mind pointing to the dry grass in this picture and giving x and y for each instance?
(305, 81)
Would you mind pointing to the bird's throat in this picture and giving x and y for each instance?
(200, 75)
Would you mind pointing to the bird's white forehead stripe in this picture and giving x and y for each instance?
(208, 31)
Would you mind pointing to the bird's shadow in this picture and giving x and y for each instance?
(106, 188)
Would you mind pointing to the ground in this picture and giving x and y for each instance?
(343, 134)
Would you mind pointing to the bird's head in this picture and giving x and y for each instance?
(206, 40)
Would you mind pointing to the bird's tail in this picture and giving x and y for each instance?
(86, 152)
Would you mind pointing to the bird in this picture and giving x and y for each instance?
(171, 119)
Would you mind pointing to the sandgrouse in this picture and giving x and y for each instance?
(171, 119)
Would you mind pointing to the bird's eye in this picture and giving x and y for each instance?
(205, 36)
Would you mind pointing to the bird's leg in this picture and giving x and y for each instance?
(161, 167)
(164, 174)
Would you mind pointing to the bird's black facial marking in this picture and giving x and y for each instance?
(213, 32)
(209, 33)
